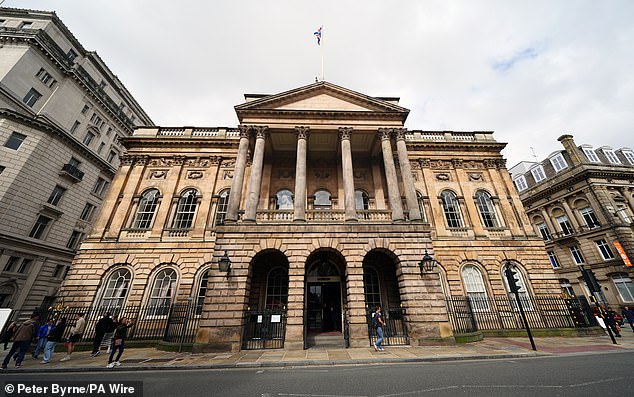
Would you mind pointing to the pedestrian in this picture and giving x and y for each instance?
(42, 337)
(22, 340)
(53, 339)
(610, 320)
(103, 326)
(75, 335)
(378, 320)
(628, 314)
(8, 334)
(118, 341)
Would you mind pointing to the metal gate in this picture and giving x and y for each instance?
(394, 331)
(264, 329)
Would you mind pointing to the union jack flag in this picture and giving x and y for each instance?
(318, 35)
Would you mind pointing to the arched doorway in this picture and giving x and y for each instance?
(324, 301)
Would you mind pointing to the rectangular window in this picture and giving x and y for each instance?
(86, 213)
(576, 255)
(11, 264)
(74, 127)
(629, 156)
(612, 158)
(31, 97)
(40, 226)
(59, 271)
(553, 260)
(558, 162)
(85, 109)
(99, 186)
(88, 138)
(590, 218)
(591, 155)
(604, 249)
(45, 78)
(543, 230)
(538, 173)
(564, 224)
(625, 287)
(74, 240)
(15, 141)
(24, 266)
(520, 183)
(26, 25)
(71, 55)
(111, 156)
(74, 162)
(100, 148)
(109, 131)
(56, 195)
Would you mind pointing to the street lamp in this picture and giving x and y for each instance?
(427, 264)
(224, 264)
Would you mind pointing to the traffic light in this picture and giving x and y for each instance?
(591, 280)
(514, 287)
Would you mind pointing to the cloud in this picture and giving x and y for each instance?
(506, 64)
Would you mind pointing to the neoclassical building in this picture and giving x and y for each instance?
(323, 205)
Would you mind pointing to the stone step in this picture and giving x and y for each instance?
(326, 340)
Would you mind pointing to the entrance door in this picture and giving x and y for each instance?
(324, 307)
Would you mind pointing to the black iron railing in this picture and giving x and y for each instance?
(73, 171)
(394, 331)
(470, 314)
(264, 329)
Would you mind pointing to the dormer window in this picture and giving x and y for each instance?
(611, 156)
(591, 155)
(538, 173)
(629, 156)
(520, 183)
(558, 162)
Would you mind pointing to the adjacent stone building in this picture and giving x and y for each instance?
(581, 202)
(62, 114)
(321, 204)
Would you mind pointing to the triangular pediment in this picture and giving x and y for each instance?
(319, 97)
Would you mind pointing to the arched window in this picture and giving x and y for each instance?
(284, 200)
(116, 289)
(277, 288)
(371, 288)
(202, 291)
(185, 210)
(147, 208)
(451, 207)
(163, 291)
(361, 204)
(625, 287)
(221, 208)
(486, 208)
(322, 199)
(421, 206)
(475, 288)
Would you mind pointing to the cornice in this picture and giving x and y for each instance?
(322, 114)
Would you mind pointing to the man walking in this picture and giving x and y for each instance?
(42, 337)
(104, 325)
(628, 315)
(378, 319)
(75, 335)
(22, 340)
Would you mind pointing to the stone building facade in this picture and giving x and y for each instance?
(581, 202)
(333, 204)
(62, 112)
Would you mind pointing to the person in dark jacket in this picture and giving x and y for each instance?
(628, 315)
(120, 333)
(53, 339)
(22, 340)
(8, 334)
(103, 326)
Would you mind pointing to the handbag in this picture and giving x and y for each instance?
(118, 342)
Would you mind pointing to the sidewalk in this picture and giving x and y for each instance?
(489, 348)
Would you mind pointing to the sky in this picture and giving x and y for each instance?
(530, 71)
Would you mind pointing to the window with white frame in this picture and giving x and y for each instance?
(576, 255)
(520, 183)
(625, 287)
(544, 232)
(611, 156)
(277, 288)
(553, 260)
(186, 210)
(486, 208)
(604, 249)
(591, 155)
(589, 217)
(147, 208)
(221, 207)
(202, 292)
(116, 289)
(163, 291)
(559, 162)
(564, 225)
(451, 208)
(566, 288)
(15, 141)
(475, 288)
(623, 210)
(371, 287)
(629, 156)
(538, 173)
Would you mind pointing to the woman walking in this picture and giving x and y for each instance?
(53, 339)
(118, 340)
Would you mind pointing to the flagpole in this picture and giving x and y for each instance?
(322, 53)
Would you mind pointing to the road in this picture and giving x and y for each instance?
(598, 374)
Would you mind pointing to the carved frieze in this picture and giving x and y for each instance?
(424, 163)
(415, 165)
(440, 164)
(195, 174)
(457, 163)
(475, 176)
(158, 174)
(126, 159)
(202, 162)
(442, 176)
(472, 165)
(228, 163)
(490, 163)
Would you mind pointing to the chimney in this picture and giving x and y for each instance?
(571, 148)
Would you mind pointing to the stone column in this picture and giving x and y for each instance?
(393, 193)
(551, 228)
(235, 194)
(406, 174)
(571, 215)
(299, 201)
(348, 178)
(255, 180)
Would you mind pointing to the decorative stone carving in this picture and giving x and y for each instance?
(475, 176)
(501, 163)
(489, 163)
(126, 159)
(227, 175)
(424, 163)
(202, 161)
(345, 133)
(415, 176)
(158, 174)
(244, 131)
(302, 132)
(195, 174)
(385, 134)
(399, 133)
(457, 163)
(141, 160)
(229, 163)
(472, 165)
(443, 176)
(440, 164)
(260, 131)
(415, 165)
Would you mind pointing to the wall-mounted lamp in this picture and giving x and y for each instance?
(224, 264)
(427, 264)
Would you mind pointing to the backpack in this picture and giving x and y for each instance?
(375, 322)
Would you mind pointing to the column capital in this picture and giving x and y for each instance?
(345, 133)
(260, 131)
(302, 132)
(385, 134)
(399, 133)
(244, 130)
